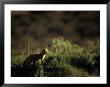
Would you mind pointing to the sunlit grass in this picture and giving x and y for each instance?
(64, 59)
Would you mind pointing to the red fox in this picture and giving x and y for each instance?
(35, 57)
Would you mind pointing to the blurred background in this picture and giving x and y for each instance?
(38, 27)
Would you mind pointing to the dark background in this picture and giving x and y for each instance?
(42, 26)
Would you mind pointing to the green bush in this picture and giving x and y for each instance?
(65, 59)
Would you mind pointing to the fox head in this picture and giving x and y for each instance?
(45, 51)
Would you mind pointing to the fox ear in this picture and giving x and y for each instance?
(46, 48)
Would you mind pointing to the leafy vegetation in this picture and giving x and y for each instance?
(65, 59)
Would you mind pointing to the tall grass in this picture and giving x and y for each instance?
(64, 59)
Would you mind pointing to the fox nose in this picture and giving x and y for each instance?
(47, 51)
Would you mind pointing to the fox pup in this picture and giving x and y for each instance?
(35, 57)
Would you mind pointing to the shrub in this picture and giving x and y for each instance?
(64, 59)
(69, 59)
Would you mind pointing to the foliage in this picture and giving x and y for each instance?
(66, 59)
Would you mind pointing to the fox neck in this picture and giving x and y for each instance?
(43, 57)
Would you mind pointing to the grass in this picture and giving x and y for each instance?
(65, 59)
